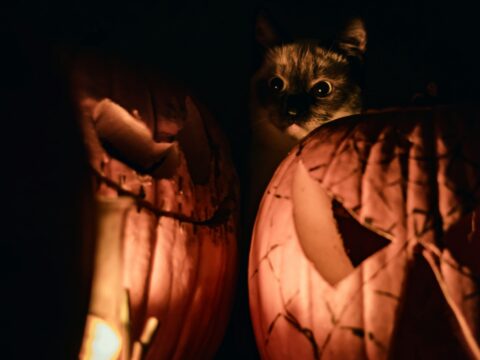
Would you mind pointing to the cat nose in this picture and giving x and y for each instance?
(296, 105)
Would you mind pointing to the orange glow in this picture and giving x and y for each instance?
(101, 341)
(173, 250)
(108, 309)
(383, 206)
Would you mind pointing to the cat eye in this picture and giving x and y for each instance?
(276, 84)
(321, 89)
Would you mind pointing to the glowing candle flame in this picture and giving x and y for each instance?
(101, 341)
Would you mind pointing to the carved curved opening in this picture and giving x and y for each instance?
(329, 236)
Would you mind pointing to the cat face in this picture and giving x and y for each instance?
(302, 84)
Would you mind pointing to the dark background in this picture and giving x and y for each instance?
(209, 47)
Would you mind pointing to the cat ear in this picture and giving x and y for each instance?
(353, 38)
(266, 33)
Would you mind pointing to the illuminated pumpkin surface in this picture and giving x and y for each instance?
(366, 243)
(156, 145)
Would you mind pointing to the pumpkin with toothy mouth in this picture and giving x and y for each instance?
(166, 217)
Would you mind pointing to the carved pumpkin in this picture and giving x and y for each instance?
(154, 144)
(366, 243)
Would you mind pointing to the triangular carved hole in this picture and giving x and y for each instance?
(330, 237)
(360, 242)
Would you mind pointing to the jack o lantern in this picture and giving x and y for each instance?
(167, 194)
(366, 243)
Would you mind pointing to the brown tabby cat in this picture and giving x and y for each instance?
(300, 86)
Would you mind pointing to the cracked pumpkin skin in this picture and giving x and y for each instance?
(402, 188)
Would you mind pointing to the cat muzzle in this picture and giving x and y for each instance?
(296, 106)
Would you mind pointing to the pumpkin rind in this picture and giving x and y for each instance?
(179, 238)
(408, 175)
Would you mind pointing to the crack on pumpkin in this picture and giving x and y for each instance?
(364, 335)
(347, 148)
(426, 226)
(454, 209)
(387, 294)
(326, 342)
(279, 315)
(359, 332)
(380, 193)
(333, 318)
(381, 231)
(293, 321)
(341, 144)
(272, 269)
(265, 258)
(271, 326)
(307, 332)
(317, 167)
(278, 195)
(343, 179)
(300, 148)
(367, 145)
(377, 342)
(400, 181)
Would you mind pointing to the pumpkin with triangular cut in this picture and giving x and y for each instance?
(367, 243)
